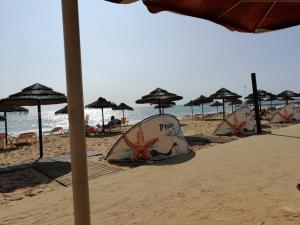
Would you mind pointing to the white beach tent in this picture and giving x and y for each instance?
(155, 138)
(287, 114)
(240, 121)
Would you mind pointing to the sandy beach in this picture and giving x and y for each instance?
(250, 180)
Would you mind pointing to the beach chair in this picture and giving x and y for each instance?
(2, 140)
(26, 138)
(56, 130)
(124, 121)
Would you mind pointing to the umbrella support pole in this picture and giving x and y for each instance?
(5, 124)
(77, 134)
(256, 106)
(223, 109)
(40, 130)
(103, 130)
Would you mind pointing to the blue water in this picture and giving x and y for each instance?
(18, 123)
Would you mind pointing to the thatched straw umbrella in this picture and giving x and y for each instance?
(38, 95)
(122, 106)
(235, 102)
(262, 94)
(271, 98)
(191, 104)
(224, 94)
(63, 110)
(201, 101)
(159, 97)
(216, 104)
(7, 109)
(101, 103)
(287, 95)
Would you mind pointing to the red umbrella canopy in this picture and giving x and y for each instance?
(252, 16)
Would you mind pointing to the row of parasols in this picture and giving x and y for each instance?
(38, 95)
(234, 99)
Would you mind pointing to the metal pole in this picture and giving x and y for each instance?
(255, 99)
(192, 111)
(76, 113)
(40, 130)
(202, 112)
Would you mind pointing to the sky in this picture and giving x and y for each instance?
(128, 52)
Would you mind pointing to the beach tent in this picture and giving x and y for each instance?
(8, 109)
(35, 95)
(245, 16)
(287, 114)
(155, 138)
(239, 122)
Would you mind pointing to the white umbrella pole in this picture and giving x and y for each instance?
(76, 112)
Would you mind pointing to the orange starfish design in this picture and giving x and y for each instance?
(140, 147)
(236, 127)
(286, 116)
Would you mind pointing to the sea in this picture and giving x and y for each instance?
(20, 122)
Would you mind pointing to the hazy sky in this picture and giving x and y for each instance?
(127, 52)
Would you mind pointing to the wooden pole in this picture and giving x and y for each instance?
(223, 109)
(103, 130)
(5, 124)
(40, 130)
(76, 113)
(255, 100)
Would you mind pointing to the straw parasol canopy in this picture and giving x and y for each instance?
(101, 103)
(216, 104)
(224, 94)
(235, 102)
(287, 95)
(38, 95)
(159, 97)
(63, 110)
(201, 101)
(191, 104)
(8, 109)
(123, 107)
(271, 98)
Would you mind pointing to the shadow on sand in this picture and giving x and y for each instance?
(168, 161)
(39, 173)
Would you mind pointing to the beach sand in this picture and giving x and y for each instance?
(248, 181)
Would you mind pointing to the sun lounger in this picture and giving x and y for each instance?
(124, 121)
(26, 138)
(56, 130)
(2, 140)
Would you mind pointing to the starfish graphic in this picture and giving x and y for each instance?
(287, 117)
(236, 127)
(140, 147)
